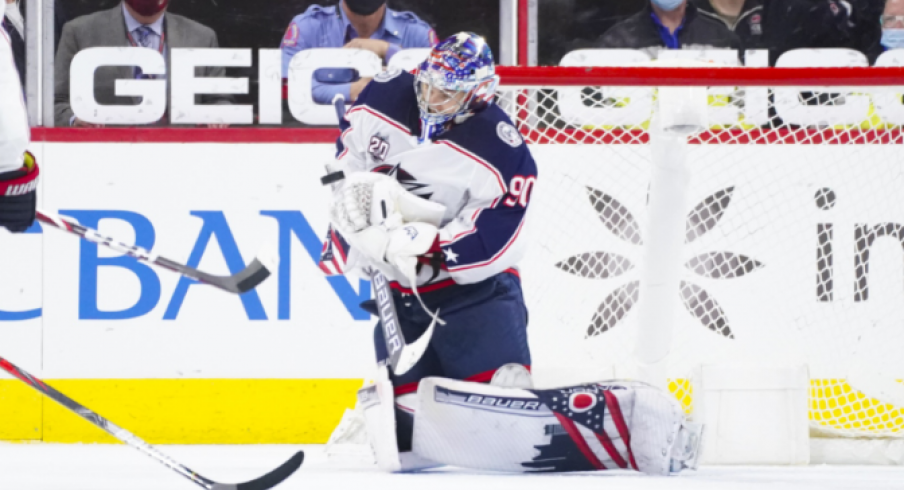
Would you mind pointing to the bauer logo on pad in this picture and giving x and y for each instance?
(530, 407)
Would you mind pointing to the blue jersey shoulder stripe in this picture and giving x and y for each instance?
(480, 135)
(395, 98)
(497, 229)
(492, 168)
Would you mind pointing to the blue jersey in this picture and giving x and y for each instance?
(480, 169)
(328, 27)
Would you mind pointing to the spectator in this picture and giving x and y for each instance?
(362, 24)
(783, 25)
(14, 24)
(893, 25)
(670, 24)
(137, 23)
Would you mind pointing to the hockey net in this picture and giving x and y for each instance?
(794, 228)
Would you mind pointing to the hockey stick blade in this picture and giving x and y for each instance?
(265, 482)
(247, 279)
(269, 480)
(413, 352)
(332, 178)
(242, 282)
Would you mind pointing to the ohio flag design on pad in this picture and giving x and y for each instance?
(592, 434)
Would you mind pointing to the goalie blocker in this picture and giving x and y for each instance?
(18, 195)
(609, 425)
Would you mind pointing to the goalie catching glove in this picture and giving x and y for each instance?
(18, 196)
(385, 222)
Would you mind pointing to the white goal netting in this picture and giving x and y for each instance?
(793, 250)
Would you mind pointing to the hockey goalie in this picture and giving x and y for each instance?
(435, 193)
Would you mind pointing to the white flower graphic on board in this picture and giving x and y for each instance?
(606, 265)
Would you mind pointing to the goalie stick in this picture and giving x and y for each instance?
(265, 482)
(402, 356)
(246, 280)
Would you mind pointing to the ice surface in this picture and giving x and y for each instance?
(107, 467)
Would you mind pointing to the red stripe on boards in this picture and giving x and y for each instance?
(186, 135)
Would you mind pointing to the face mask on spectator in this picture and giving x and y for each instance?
(147, 7)
(893, 38)
(668, 5)
(364, 7)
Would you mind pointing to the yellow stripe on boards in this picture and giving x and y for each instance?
(290, 411)
(202, 411)
(20, 411)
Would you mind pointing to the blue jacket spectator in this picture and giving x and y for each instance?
(362, 24)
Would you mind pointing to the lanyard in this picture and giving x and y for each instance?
(136, 45)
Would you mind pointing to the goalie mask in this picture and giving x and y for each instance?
(457, 80)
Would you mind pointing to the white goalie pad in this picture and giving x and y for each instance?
(377, 402)
(479, 426)
(611, 425)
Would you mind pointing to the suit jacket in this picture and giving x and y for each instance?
(107, 28)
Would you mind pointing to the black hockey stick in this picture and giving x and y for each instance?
(265, 482)
(246, 280)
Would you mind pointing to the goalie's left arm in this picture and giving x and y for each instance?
(487, 235)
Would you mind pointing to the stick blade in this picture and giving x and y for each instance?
(413, 352)
(269, 480)
(253, 275)
(249, 278)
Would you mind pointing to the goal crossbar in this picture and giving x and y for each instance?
(644, 76)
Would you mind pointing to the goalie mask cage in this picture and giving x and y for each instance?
(791, 246)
